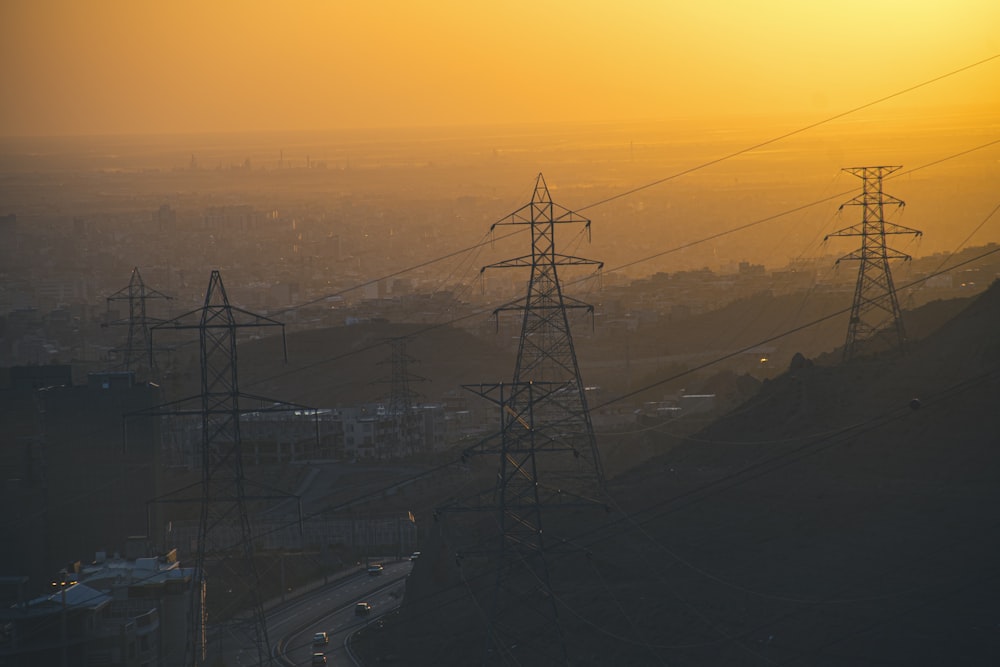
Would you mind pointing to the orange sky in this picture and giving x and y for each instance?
(128, 66)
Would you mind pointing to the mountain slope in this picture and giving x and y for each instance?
(847, 515)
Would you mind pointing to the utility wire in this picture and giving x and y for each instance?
(677, 175)
(640, 390)
(690, 244)
(800, 130)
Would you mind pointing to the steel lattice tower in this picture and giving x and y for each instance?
(138, 349)
(225, 537)
(876, 322)
(522, 610)
(545, 352)
(401, 401)
(548, 457)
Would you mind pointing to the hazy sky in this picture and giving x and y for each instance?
(110, 66)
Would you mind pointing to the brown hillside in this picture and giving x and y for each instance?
(846, 515)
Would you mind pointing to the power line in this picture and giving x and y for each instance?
(800, 130)
(941, 271)
(733, 230)
(679, 174)
(590, 536)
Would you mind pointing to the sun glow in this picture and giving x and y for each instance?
(108, 66)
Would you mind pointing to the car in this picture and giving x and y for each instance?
(362, 609)
(415, 555)
(319, 659)
(321, 639)
(375, 569)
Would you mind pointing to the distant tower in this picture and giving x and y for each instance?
(137, 353)
(401, 402)
(225, 541)
(546, 449)
(876, 323)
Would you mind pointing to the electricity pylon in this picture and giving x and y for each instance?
(876, 321)
(225, 539)
(137, 353)
(545, 352)
(401, 402)
(548, 457)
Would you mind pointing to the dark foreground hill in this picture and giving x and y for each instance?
(848, 514)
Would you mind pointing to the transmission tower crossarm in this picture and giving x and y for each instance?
(853, 230)
(179, 322)
(136, 282)
(557, 259)
(888, 228)
(559, 215)
(861, 200)
(888, 253)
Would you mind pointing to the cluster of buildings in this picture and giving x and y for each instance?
(77, 468)
(127, 611)
(82, 468)
(367, 432)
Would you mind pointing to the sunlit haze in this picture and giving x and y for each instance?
(109, 66)
(602, 97)
(314, 312)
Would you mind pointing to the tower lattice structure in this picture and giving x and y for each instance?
(401, 402)
(225, 544)
(876, 322)
(547, 451)
(137, 353)
(545, 351)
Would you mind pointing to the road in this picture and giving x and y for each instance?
(331, 609)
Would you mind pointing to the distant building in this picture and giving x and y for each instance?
(289, 436)
(230, 221)
(165, 219)
(373, 432)
(114, 612)
(266, 437)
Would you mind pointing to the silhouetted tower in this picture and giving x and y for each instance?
(137, 353)
(548, 458)
(545, 351)
(522, 610)
(876, 322)
(401, 402)
(225, 540)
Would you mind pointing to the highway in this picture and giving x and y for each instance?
(331, 609)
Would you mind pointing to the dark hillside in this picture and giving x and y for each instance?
(846, 515)
(344, 365)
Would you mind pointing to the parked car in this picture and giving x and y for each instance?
(375, 569)
(362, 609)
(320, 639)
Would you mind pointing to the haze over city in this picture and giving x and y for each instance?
(640, 92)
(770, 491)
